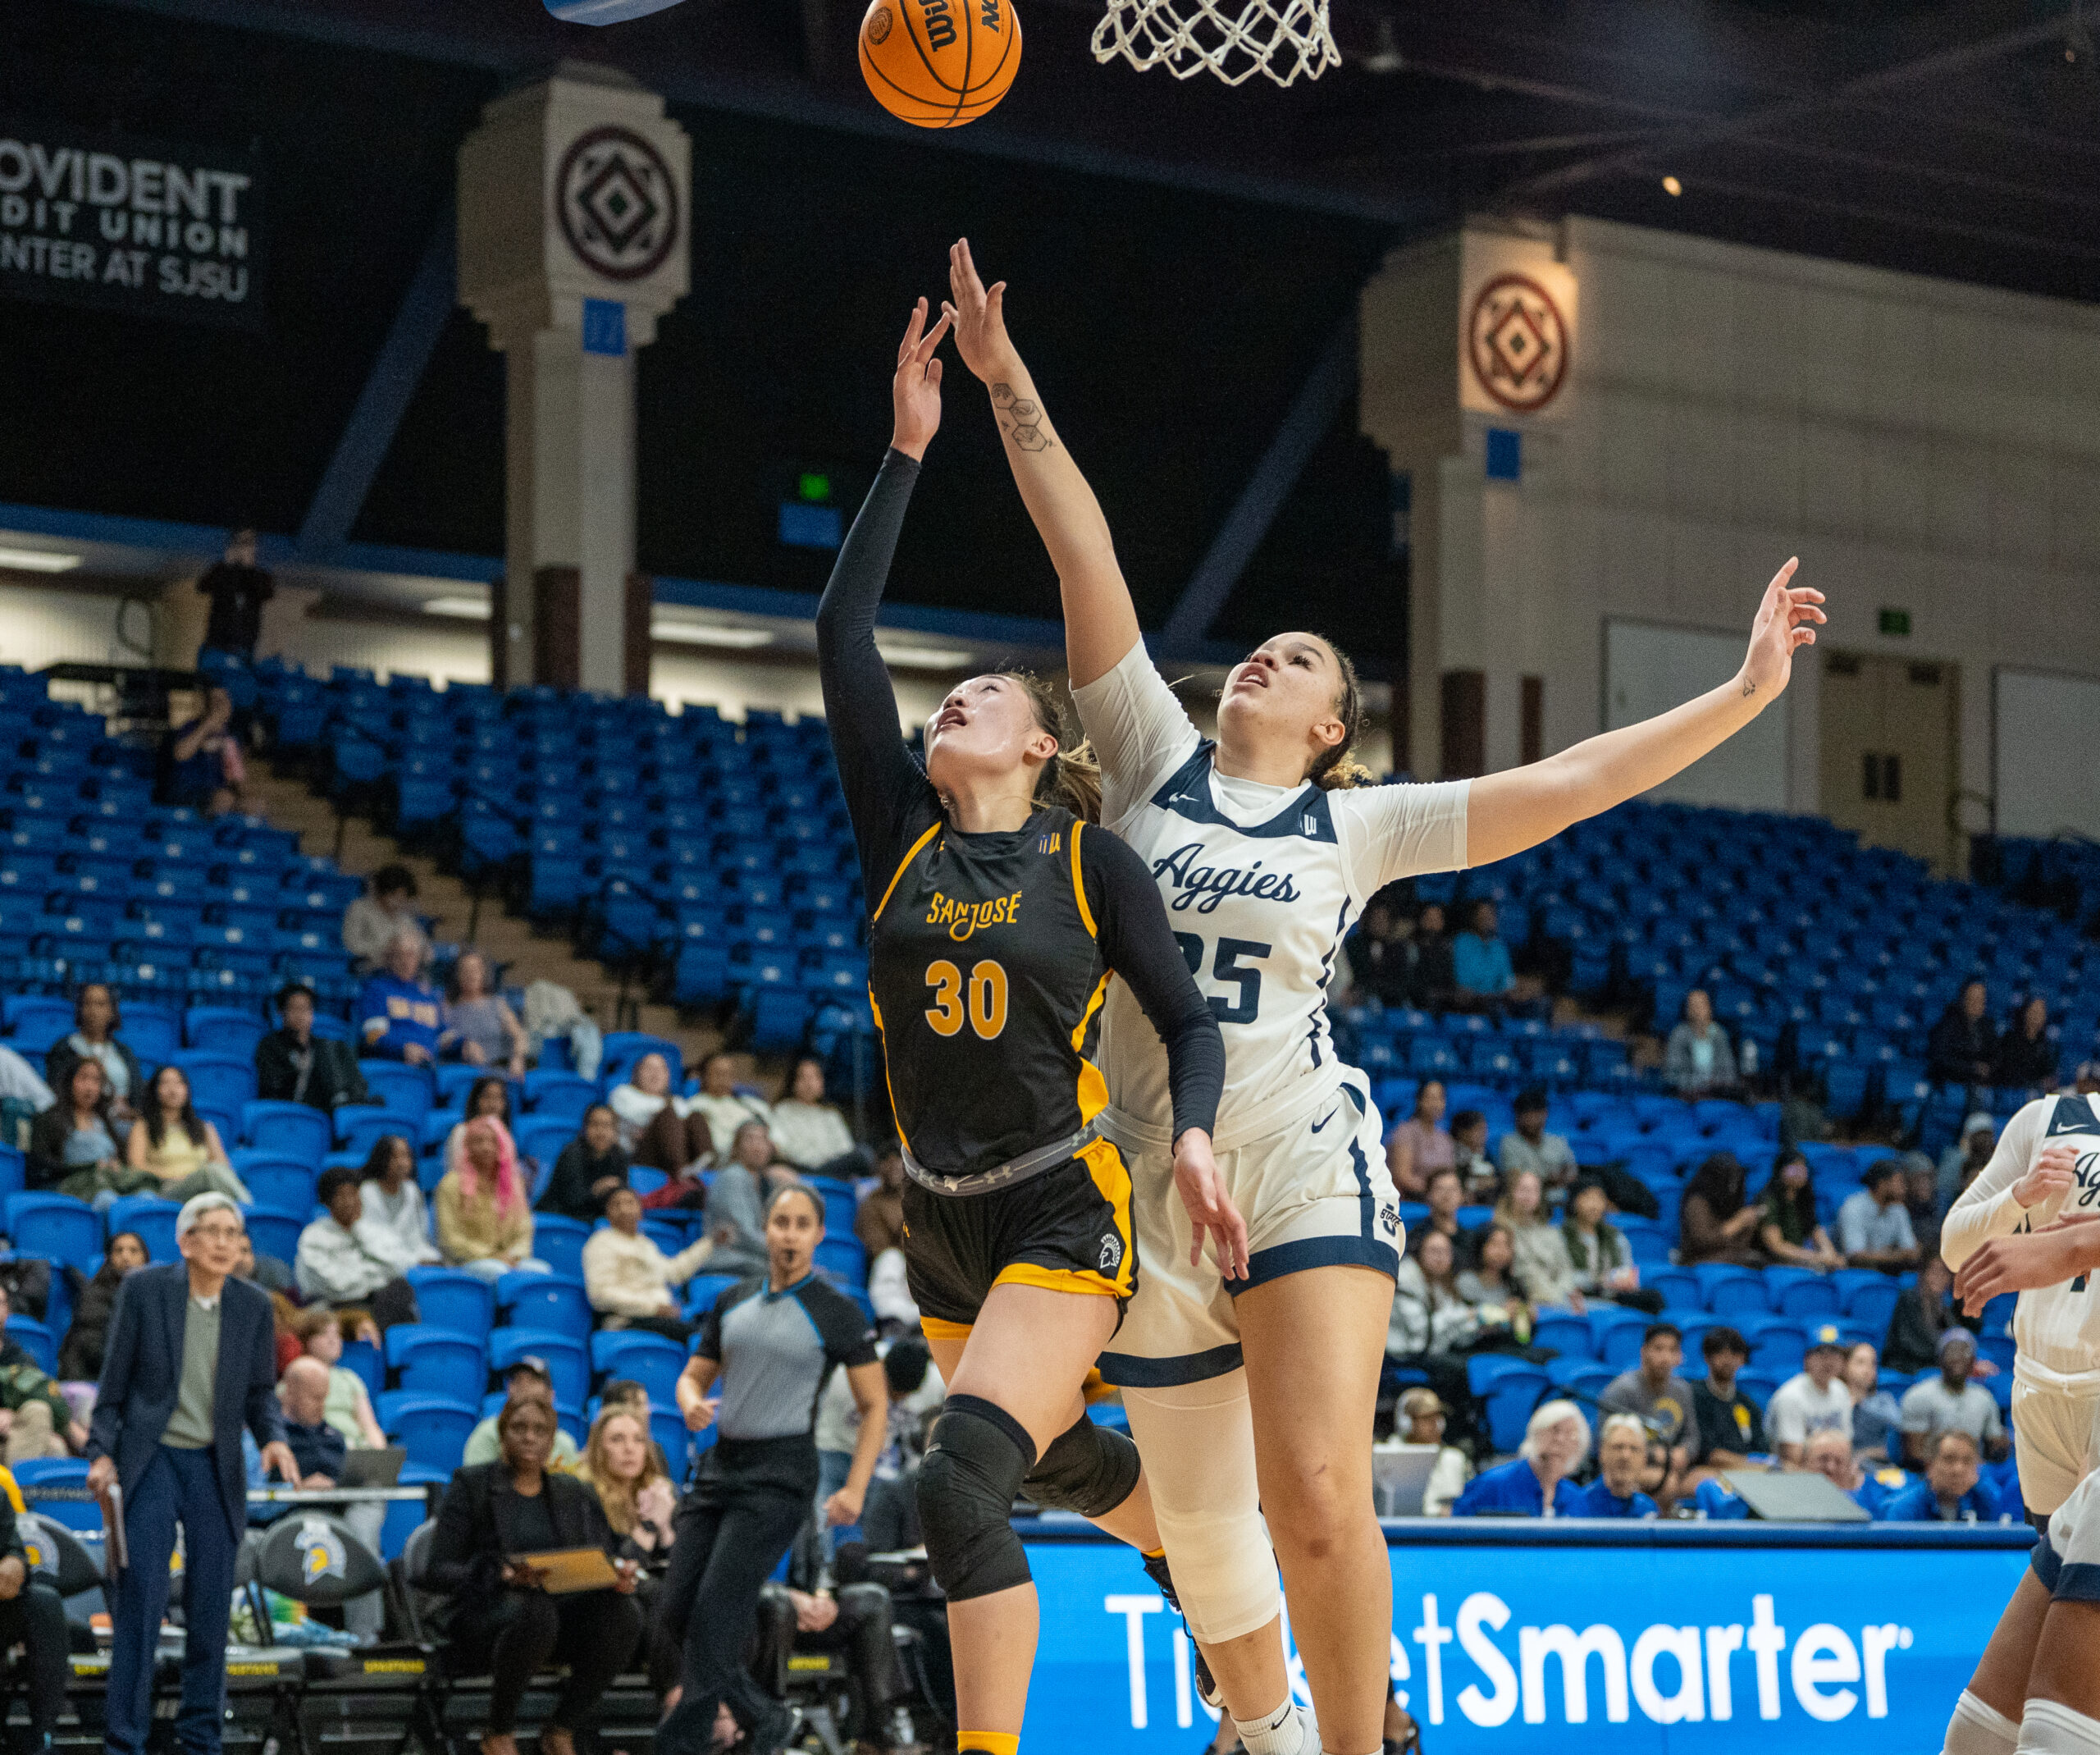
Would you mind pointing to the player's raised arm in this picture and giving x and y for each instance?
(1101, 624)
(1520, 807)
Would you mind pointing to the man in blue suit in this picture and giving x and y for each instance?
(191, 1359)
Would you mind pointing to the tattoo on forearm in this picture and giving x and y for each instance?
(1002, 393)
(1749, 687)
(1026, 430)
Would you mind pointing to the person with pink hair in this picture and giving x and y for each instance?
(484, 1214)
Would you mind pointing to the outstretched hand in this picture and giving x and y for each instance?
(1784, 624)
(916, 392)
(979, 316)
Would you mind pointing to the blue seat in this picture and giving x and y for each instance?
(35, 1024)
(434, 1431)
(35, 1338)
(562, 1096)
(1508, 1390)
(667, 1426)
(1872, 1301)
(554, 1302)
(453, 1302)
(57, 1226)
(1569, 1335)
(405, 1089)
(541, 1138)
(1615, 1335)
(291, 1130)
(363, 1357)
(224, 1030)
(1736, 1292)
(667, 1231)
(217, 1081)
(1680, 1287)
(34, 1472)
(643, 1180)
(564, 1358)
(650, 1360)
(1777, 1343)
(275, 1233)
(559, 1242)
(454, 1079)
(1583, 1379)
(703, 1289)
(434, 1362)
(152, 1217)
(153, 1033)
(284, 1184)
(623, 1047)
(1812, 1293)
(1711, 1274)
(844, 1259)
(359, 1127)
(841, 1204)
(1760, 1386)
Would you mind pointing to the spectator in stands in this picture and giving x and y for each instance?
(1435, 976)
(810, 1133)
(1698, 1061)
(238, 589)
(1537, 1483)
(1730, 1429)
(878, 1219)
(1600, 1254)
(384, 913)
(179, 1148)
(736, 1202)
(725, 1107)
(528, 1379)
(1714, 1222)
(480, 1027)
(293, 1065)
(592, 1167)
(484, 1224)
(319, 1447)
(81, 1355)
(73, 1144)
(1876, 1418)
(1622, 1461)
(629, 1279)
(348, 1407)
(394, 1228)
(1530, 1147)
(1481, 976)
(1445, 1196)
(1951, 1402)
(1963, 1048)
(200, 764)
(33, 1616)
(36, 1420)
(658, 1127)
(1921, 1200)
(621, 1465)
(19, 1084)
(1418, 1145)
(1541, 1251)
(489, 1096)
(1922, 1315)
(1813, 1400)
(1381, 956)
(2026, 1058)
(1423, 1417)
(1873, 1225)
(1479, 1176)
(502, 1622)
(399, 1014)
(336, 1267)
(1655, 1394)
(1787, 1228)
(1967, 1158)
(1494, 1288)
(96, 1022)
(1829, 1453)
(1433, 1323)
(1951, 1493)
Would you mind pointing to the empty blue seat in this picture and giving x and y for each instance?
(541, 1138)
(275, 1233)
(363, 1357)
(33, 1472)
(1872, 1301)
(1777, 1343)
(1760, 1386)
(703, 1289)
(284, 1184)
(844, 1259)
(152, 1217)
(1616, 1334)
(453, 1301)
(1508, 1389)
(1734, 1292)
(359, 1127)
(1801, 1291)
(1679, 1286)
(35, 1338)
(1569, 1335)
(224, 1030)
(564, 1356)
(650, 1360)
(559, 1096)
(554, 1302)
(56, 1226)
(436, 1362)
(217, 1081)
(291, 1129)
(432, 1430)
(559, 1242)
(405, 1089)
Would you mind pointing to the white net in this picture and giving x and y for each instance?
(1234, 39)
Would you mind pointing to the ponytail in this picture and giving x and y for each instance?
(1332, 769)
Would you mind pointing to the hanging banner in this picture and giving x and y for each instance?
(124, 223)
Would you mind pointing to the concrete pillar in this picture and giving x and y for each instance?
(575, 213)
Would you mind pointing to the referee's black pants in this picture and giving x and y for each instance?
(729, 1533)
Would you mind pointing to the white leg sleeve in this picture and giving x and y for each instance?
(2047, 1728)
(1979, 1729)
(1196, 1441)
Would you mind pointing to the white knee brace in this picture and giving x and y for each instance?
(1196, 1441)
(1979, 1729)
(2048, 1728)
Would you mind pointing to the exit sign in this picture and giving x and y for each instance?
(1896, 622)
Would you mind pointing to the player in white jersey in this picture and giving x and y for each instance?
(2047, 1166)
(2036, 1689)
(1251, 1378)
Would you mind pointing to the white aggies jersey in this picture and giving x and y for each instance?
(1261, 884)
(2057, 1328)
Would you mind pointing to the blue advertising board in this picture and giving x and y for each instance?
(1675, 1638)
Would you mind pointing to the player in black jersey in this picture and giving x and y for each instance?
(998, 915)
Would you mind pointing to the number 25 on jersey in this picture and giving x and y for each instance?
(985, 997)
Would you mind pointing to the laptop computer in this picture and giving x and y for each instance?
(1795, 1498)
(1400, 1474)
(374, 1468)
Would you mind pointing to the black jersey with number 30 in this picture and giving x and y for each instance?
(989, 955)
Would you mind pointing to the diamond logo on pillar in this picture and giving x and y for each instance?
(1517, 343)
(617, 202)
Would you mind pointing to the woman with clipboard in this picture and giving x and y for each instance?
(525, 1555)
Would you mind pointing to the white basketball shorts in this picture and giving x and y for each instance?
(2067, 1558)
(2055, 1438)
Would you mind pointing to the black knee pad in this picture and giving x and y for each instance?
(1088, 1469)
(973, 1468)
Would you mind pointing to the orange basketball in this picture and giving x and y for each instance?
(939, 63)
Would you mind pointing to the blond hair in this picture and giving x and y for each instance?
(616, 1496)
(1072, 776)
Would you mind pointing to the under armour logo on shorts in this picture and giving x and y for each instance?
(1111, 1253)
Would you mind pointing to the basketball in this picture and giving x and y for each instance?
(939, 63)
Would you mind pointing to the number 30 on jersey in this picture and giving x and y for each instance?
(985, 994)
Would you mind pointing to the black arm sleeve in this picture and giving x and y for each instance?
(886, 791)
(1137, 942)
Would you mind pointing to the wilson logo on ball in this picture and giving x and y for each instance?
(939, 63)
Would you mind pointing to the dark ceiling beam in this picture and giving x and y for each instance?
(818, 50)
(1938, 65)
(1312, 412)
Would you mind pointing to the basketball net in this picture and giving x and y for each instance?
(1234, 39)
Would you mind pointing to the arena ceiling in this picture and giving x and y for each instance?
(1180, 253)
